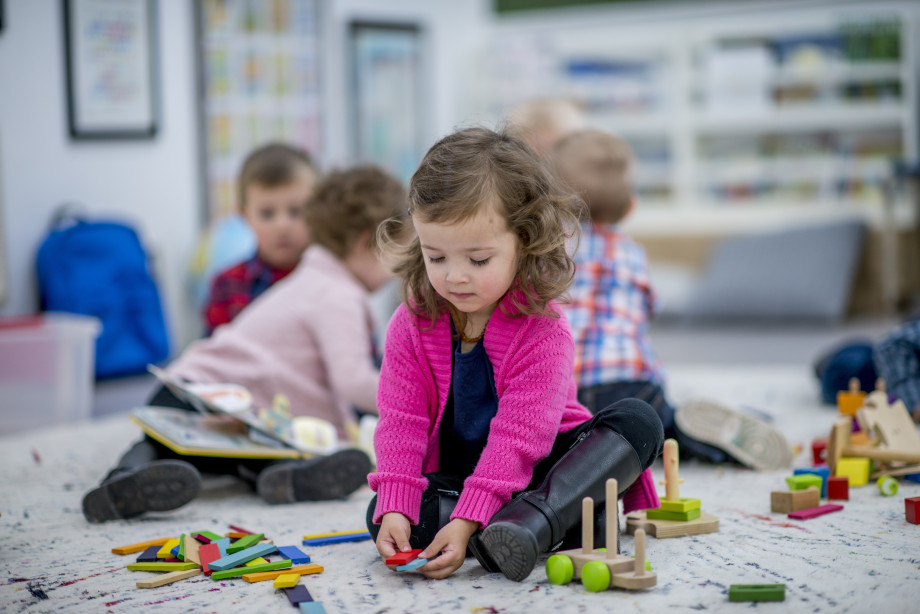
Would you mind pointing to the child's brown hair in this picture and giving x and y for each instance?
(475, 168)
(348, 204)
(271, 166)
(599, 167)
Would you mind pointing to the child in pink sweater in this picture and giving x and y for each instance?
(482, 444)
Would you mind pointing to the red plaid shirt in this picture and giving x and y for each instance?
(235, 288)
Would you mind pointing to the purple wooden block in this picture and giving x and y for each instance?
(202, 538)
(149, 555)
(816, 511)
(297, 594)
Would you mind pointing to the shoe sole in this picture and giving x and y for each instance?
(320, 479)
(513, 549)
(157, 487)
(750, 440)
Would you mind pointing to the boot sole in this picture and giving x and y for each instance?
(750, 440)
(512, 547)
(157, 487)
(320, 479)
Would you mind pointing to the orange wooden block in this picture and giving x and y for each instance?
(140, 546)
(850, 401)
(301, 570)
(860, 438)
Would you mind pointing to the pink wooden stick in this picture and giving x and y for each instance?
(816, 511)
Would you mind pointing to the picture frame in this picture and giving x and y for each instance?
(388, 107)
(111, 70)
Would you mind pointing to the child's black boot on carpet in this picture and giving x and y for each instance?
(318, 479)
(156, 486)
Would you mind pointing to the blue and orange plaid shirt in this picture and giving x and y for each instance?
(236, 287)
(612, 302)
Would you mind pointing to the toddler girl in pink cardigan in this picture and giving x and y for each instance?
(481, 444)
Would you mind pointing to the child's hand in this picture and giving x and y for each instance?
(450, 543)
(393, 536)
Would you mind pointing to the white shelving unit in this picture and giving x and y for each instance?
(739, 117)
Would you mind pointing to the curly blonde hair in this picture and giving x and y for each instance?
(475, 168)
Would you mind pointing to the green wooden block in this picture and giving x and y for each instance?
(683, 505)
(160, 566)
(757, 592)
(209, 534)
(660, 514)
(245, 542)
(239, 571)
(181, 555)
(803, 481)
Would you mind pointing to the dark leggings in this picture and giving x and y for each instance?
(629, 418)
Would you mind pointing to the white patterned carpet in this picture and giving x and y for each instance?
(863, 559)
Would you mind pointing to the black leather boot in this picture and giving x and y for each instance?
(536, 520)
(156, 486)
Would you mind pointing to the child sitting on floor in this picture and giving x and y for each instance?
(309, 337)
(482, 444)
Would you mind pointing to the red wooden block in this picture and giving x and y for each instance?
(203, 539)
(208, 553)
(239, 529)
(816, 511)
(819, 451)
(912, 509)
(401, 558)
(838, 488)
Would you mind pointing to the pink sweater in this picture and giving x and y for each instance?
(532, 359)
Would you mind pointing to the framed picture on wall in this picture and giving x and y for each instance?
(110, 59)
(387, 90)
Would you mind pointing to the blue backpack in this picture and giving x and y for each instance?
(100, 268)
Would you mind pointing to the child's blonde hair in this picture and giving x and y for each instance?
(598, 166)
(475, 168)
(271, 166)
(543, 121)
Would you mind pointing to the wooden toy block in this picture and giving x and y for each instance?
(222, 544)
(671, 463)
(298, 594)
(814, 512)
(855, 469)
(179, 551)
(803, 481)
(132, 548)
(659, 514)
(166, 549)
(168, 578)
(684, 505)
(157, 566)
(206, 535)
(239, 529)
(401, 558)
(149, 555)
(822, 471)
(638, 577)
(287, 580)
(239, 571)
(785, 501)
(238, 558)
(301, 570)
(334, 534)
(311, 607)
(412, 565)
(661, 529)
(859, 438)
(245, 542)
(171, 559)
(192, 549)
(257, 561)
(887, 486)
(236, 534)
(207, 554)
(818, 451)
(757, 592)
(850, 401)
(297, 556)
(838, 488)
(912, 510)
(338, 539)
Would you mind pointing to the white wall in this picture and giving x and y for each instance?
(155, 183)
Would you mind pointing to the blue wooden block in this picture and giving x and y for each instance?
(913, 477)
(222, 544)
(149, 555)
(238, 558)
(297, 556)
(820, 470)
(298, 594)
(311, 607)
(337, 539)
(411, 565)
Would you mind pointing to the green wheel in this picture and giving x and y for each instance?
(559, 569)
(887, 485)
(595, 576)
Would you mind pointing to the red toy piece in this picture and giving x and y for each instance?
(812, 512)
(912, 509)
(838, 488)
(401, 558)
(818, 451)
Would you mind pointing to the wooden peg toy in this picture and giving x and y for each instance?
(849, 401)
(638, 577)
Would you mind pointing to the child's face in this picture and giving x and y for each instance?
(471, 263)
(276, 215)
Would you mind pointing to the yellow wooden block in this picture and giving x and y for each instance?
(164, 552)
(140, 547)
(300, 570)
(681, 505)
(856, 470)
(256, 561)
(287, 580)
(167, 578)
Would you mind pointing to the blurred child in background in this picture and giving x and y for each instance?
(274, 185)
(543, 121)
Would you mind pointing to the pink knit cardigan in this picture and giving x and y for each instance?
(532, 358)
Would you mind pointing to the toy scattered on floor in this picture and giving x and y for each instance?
(785, 501)
(838, 487)
(677, 516)
(757, 592)
(336, 537)
(412, 565)
(850, 401)
(912, 509)
(814, 512)
(602, 568)
(887, 486)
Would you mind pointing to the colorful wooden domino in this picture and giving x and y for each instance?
(297, 556)
(311, 607)
(161, 566)
(412, 565)
(287, 580)
(208, 553)
(168, 578)
(298, 594)
(814, 512)
(238, 558)
(300, 570)
(132, 548)
(165, 550)
(401, 558)
(757, 592)
(337, 539)
(239, 571)
(245, 542)
(149, 555)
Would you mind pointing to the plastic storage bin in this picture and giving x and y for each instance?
(46, 370)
